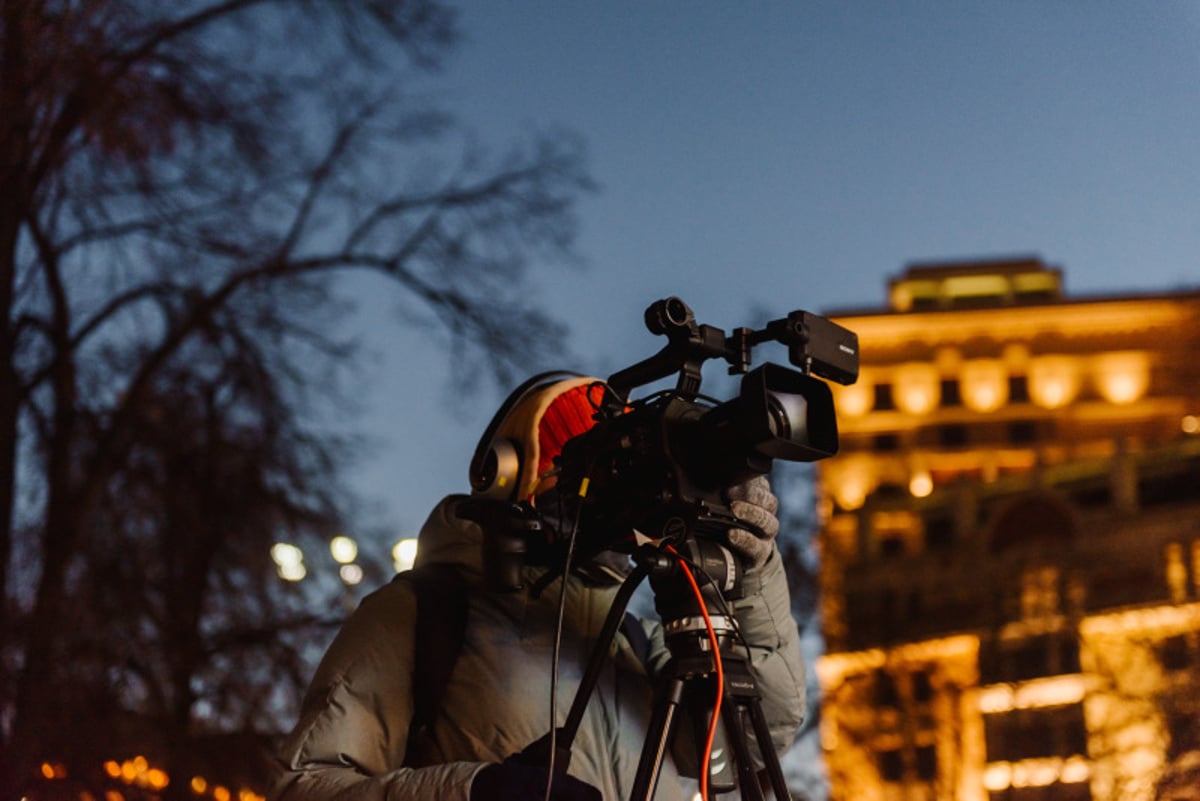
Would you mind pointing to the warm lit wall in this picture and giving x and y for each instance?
(1089, 369)
(855, 729)
(958, 403)
(1128, 733)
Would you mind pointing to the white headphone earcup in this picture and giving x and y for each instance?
(500, 471)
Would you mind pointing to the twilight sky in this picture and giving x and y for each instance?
(781, 155)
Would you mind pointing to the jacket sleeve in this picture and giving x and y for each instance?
(351, 737)
(765, 622)
(764, 618)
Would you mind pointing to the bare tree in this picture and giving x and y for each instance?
(182, 182)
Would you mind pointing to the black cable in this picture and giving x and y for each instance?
(558, 628)
(562, 605)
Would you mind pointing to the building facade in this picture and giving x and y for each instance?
(1011, 543)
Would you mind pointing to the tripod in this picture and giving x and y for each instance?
(692, 676)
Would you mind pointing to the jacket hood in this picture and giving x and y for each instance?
(447, 538)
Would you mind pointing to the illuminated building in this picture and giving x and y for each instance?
(1011, 544)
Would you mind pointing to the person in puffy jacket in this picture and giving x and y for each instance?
(354, 738)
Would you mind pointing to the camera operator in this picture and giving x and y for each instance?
(356, 737)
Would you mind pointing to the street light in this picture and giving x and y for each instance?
(344, 550)
(289, 561)
(351, 574)
(404, 553)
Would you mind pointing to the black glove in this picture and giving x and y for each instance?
(754, 502)
(513, 780)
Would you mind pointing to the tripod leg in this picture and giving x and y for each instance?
(698, 694)
(762, 733)
(731, 716)
(658, 738)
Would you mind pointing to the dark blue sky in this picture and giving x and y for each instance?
(782, 155)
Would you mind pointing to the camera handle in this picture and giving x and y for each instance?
(688, 676)
(688, 346)
(815, 345)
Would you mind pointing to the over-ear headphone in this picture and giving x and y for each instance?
(496, 465)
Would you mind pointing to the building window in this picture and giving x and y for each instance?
(1032, 658)
(952, 436)
(883, 398)
(1184, 728)
(909, 755)
(886, 442)
(1068, 656)
(1030, 661)
(1075, 791)
(891, 765)
(939, 532)
(1175, 653)
(1022, 432)
(922, 687)
(886, 694)
(1058, 731)
(950, 393)
(1018, 389)
(927, 762)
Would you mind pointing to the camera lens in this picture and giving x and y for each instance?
(787, 416)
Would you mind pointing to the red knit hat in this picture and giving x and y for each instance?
(569, 415)
(542, 422)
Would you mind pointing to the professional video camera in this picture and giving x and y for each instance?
(658, 465)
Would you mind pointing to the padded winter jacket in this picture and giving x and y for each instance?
(353, 731)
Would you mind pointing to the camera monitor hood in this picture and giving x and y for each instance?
(787, 415)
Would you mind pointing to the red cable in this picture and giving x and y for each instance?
(716, 650)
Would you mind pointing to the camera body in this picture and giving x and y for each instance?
(658, 466)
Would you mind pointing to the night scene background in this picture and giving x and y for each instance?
(268, 269)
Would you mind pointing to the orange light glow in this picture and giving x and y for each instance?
(984, 385)
(997, 776)
(1075, 769)
(113, 769)
(1051, 691)
(1042, 772)
(1122, 377)
(1162, 618)
(854, 400)
(850, 482)
(1036, 772)
(1054, 381)
(997, 698)
(851, 494)
(918, 387)
(157, 779)
(921, 484)
(221, 793)
(199, 785)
